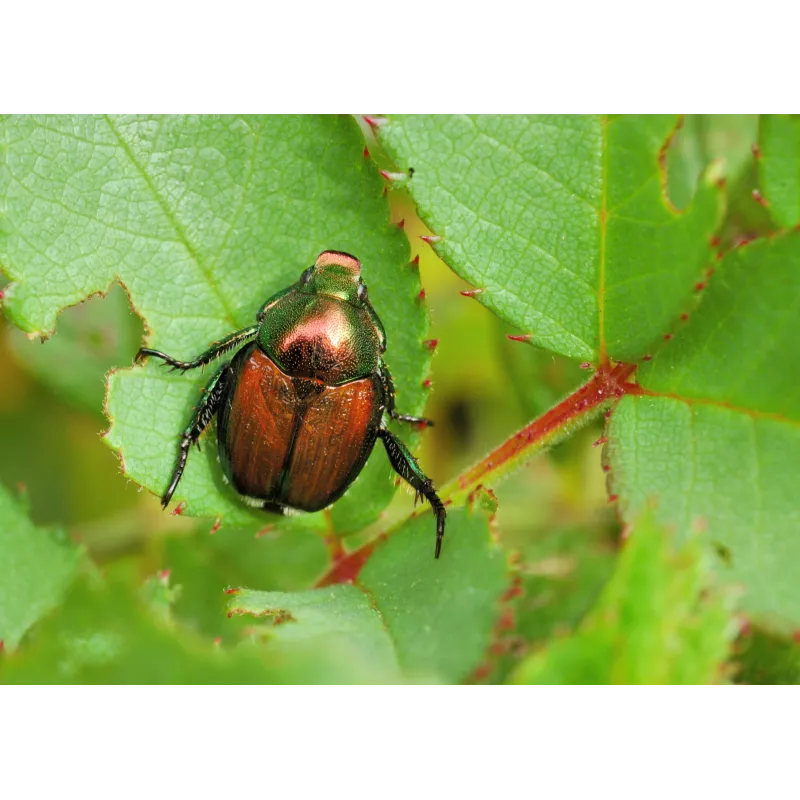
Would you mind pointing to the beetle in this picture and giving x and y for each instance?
(302, 402)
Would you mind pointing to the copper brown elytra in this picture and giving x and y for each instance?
(302, 402)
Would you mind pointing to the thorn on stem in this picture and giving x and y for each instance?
(525, 337)
(179, 509)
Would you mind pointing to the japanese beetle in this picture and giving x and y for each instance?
(302, 402)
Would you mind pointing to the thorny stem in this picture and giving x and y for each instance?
(583, 405)
(605, 386)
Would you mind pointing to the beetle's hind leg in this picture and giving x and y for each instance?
(201, 416)
(215, 351)
(405, 465)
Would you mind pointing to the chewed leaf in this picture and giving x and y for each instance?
(201, 219)
(562, 221)
(340, 612)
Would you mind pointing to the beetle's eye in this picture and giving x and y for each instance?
(362, 292)
(306, 276)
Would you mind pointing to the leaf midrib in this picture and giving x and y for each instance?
(168, 213)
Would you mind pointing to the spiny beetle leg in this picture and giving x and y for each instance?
(405, 465)
(388, 388)
(215, 351)
(214, 392)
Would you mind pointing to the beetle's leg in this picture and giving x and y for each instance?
(388, 387)
(215, 351)
(201, 416)
(405, 465)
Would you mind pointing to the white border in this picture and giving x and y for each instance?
(403, 742)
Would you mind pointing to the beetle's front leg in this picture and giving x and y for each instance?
(405, 465)
(214, 392)
(215, 351)
(388, 386)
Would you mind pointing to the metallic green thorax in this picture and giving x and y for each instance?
(323, 326)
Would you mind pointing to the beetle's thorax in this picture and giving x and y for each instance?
(321, 337)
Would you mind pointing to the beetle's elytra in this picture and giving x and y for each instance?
(302, 402)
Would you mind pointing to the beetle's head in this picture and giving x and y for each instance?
(337, 275)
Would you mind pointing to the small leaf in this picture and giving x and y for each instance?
(715, 438)
(563, 222)
(36, 566)
(427, 619)
(779, 165)
(654, 623)
(341, 612)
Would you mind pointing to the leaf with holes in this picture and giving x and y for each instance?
(656, 622)
(563, 221)
(36, 566)
(92, 339)
(418, 618)
(714, 436)
(202, 219)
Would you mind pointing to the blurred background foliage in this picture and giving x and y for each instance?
(554, 512)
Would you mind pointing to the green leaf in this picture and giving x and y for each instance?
(715, 437)
(426, 619)
(105, 634)
(654, 623)
(36, 566)
(562, 221)
(287, 558)
(340, 611)
(779, 166)
(202, 219)
(90, 340)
